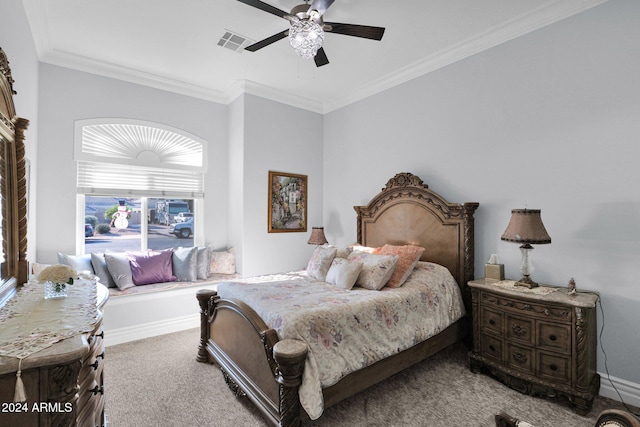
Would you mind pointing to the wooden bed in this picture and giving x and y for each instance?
(268, 371)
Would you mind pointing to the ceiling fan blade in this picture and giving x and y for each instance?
(321, 6)
(364, 31)
(321, 58)
(266, 42)
(268, 8)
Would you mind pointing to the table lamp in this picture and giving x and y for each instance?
(317, 236)
(526, 227)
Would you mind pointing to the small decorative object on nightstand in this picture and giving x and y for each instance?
(538, 341)
(493, 270)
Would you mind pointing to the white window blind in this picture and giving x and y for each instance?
(115, 179)
(118, 157)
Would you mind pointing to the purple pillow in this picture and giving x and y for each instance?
(151, 267)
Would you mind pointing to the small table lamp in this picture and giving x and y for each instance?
(317, 236)
(526, 227)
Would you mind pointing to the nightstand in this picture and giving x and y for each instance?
(538, 341)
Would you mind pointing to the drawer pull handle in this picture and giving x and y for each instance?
(520, 357)
(97, 390)
(518, 330)
(492, 322)
(553, 367)
(101, 355)
(94, 365)
(553, 337)
(101, 335)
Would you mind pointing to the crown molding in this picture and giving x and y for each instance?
(119, 72)
(252, 88)
(546, 14)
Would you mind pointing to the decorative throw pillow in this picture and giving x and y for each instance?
(343, 273)
(355, 247)
(79, 263)
(359, 248)
(409, 255)
(100, 269)
(185, 264)
(204, 262)
(37, 267)
(120, 270)
(151, 267)
(376, 269)
(223, 262)
(320, 262)
(343, 252)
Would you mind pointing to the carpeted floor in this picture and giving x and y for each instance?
(157, 382)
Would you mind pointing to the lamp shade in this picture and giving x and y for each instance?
(526, 226)
(317, 236)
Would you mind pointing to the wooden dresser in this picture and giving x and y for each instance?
(541, 342)
(63, 383)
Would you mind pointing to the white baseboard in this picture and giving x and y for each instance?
(620, 390)
(151, 329)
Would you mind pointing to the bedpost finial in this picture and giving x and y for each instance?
(405, 179)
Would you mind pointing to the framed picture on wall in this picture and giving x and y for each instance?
(287, 202)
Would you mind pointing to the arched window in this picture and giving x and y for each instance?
(148, 174)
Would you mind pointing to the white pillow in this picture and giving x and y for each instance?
(320, 262)
(185, 264)
(79, 263)
(376, 269)
(344, 273)
(120, 270)
(223, 262)
(204, 262)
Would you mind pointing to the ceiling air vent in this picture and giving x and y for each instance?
(234, 41)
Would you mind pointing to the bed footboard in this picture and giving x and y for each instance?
(254, 362)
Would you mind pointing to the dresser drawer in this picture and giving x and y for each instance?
(492, 321)
(492, 347)
(521, 358)
(554, 367)
(520, 329)
(554, 336)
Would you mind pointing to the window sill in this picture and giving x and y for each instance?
(160, 287)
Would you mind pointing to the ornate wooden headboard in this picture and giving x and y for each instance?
(406, 211)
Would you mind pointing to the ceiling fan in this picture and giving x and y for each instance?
(306, 33)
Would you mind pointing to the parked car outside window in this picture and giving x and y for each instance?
(88, 230)
(183, 216)
(183, 230)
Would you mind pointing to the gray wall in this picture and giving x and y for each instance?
(66, 96)
(281, 138)
(16, 41)
(550, 120)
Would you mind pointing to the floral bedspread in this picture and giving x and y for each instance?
(347, 330)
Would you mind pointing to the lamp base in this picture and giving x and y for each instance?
(526, 282)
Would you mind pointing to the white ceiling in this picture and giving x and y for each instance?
(172, 44)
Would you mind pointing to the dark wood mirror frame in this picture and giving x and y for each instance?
(13, 188)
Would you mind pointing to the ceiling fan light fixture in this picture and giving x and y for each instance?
(306, 37)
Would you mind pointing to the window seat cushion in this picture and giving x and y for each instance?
(165, 286)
